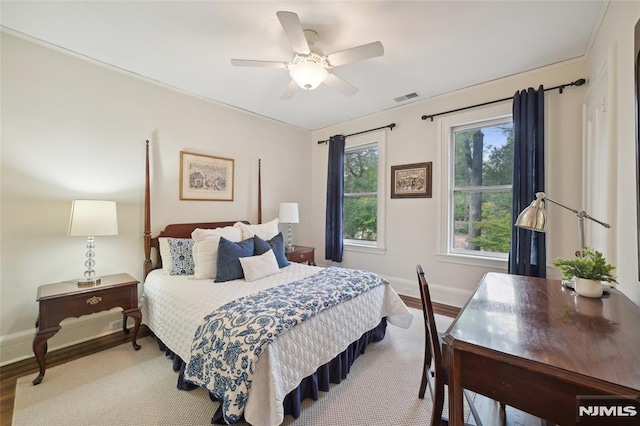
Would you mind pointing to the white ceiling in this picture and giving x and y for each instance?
(431, 47)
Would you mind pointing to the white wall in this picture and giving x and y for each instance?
(412, 224)
(73, 129)
(613, 48)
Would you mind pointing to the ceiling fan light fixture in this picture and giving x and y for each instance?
(308, 74)
(310, 67)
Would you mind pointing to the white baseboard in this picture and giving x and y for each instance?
(445, 295)
(18, 346)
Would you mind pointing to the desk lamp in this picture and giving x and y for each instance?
(534, 218)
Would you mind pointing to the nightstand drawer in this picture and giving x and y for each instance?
(58, 309)
(302, 254)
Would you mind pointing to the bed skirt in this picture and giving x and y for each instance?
(332, 372)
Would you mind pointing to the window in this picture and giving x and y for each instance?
(363, 209)
(479, 182)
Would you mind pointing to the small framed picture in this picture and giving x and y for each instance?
(411, 180)
(205, 177)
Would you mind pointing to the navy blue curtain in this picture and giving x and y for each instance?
(335, 193)
(528, 254)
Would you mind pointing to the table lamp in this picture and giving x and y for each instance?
(288, 213)
(534, 217)
(91, 218)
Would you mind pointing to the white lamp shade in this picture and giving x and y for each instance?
(90, 218)
(308, 74)
(288, 213)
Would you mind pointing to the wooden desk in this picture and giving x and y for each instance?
(536, 346)
(65, 299)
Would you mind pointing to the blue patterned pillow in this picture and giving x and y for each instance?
(181, 251)
(229, 254)
(276, 244)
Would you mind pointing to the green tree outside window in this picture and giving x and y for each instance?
(360, 217)
(483, 174)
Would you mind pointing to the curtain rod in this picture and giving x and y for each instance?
(560, 88)
(390, 126)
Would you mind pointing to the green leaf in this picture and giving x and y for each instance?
(590, 265)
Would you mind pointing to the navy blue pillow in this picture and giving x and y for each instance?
(276, 244)
(229, 254)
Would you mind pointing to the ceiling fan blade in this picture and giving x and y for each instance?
(260, 64)
(340, 85)
(292, 28)
(360, 53)
(291, 90)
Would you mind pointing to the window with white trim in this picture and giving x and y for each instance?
(479, 185)
(364, 192)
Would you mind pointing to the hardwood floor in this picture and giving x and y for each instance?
(9, 374)
(438, 308)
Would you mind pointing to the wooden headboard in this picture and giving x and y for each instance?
(178, 230)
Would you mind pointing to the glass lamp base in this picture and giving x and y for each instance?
(89, 283)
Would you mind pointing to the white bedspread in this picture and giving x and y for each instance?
(173, 306)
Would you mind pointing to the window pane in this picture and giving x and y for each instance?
(360, 218)
(361, 171)
(483, 156)
(482, 221)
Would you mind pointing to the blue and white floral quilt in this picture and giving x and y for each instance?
(227, 344)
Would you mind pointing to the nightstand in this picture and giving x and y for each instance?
(65, 299)
(302, 254)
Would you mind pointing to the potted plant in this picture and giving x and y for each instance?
(590, 270)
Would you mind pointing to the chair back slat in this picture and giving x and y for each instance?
(439, 364)
(430, 321)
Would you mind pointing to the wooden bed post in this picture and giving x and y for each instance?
(259, 191)
(147, 219)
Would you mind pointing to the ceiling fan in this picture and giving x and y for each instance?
(310, 67)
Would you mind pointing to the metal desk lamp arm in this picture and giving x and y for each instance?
(581, 214)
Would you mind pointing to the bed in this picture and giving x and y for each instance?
(302, 360)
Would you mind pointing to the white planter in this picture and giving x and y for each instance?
(588, 288)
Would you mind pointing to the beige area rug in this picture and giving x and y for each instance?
(121, 386)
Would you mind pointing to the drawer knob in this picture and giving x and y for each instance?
(94, 300)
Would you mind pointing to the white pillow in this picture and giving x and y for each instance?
(205, 249)
(165, 254)
(256, 267)
(266, 231)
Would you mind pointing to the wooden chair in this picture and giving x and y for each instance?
(434, 372)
